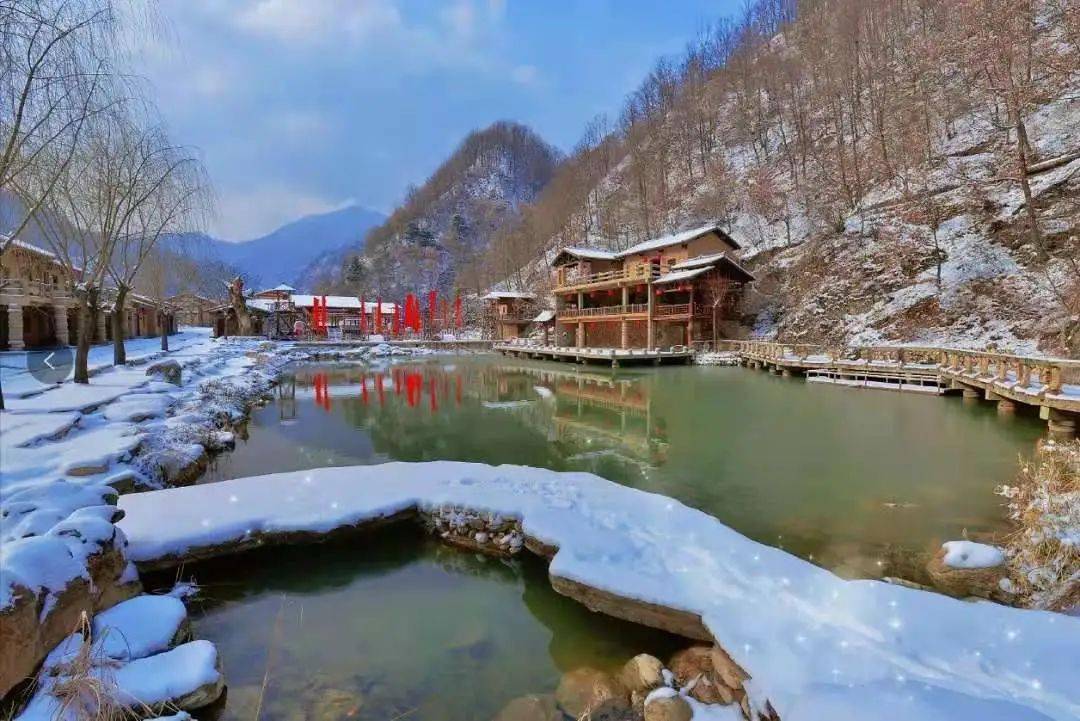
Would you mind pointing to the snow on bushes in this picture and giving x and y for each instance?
(1044, 553)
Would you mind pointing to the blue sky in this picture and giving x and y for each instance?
(301, 106)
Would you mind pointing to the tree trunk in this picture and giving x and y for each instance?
(87, 321)
(119, 351)
(163, 323)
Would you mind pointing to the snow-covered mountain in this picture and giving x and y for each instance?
(445, 226)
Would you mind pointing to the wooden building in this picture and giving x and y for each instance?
(675, 290)
(194, 310)
(509, 313)
(38, 310)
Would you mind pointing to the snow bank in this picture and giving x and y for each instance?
(816, 646)
(968, 554)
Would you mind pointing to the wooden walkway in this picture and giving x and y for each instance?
(610, 356)
(1050, 384)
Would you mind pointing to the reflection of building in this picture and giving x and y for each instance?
(509, 313)
(592, 412)
(37, 309)
(667, 291)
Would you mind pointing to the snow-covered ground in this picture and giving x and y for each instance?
(816, 646)
(18, 382)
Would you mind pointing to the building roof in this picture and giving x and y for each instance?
(683, 236)
(680, 275)
(347, 302)
(500, 294)
(283, 286)
(666, 241)
(590, 253)
(698, 261)
(545, 316)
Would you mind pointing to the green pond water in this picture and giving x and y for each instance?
(863, 482)
(396, 626)
(854, 479)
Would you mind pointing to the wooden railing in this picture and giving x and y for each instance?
(33, 289)
(641, 273)
(1026, 371)
(607, 310)
(663, 311)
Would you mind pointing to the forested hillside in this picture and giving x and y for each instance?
(899, 171)
(436, 238)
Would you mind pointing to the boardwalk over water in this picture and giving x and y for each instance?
(1050, 384)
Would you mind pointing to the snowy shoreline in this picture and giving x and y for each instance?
(816, 646)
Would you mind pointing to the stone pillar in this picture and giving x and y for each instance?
(1061, 426)
(15, 327)
(1005, 406)
(61, 315)
(972, 393)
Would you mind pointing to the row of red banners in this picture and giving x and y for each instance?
(405, 316)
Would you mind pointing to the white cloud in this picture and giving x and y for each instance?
(525, 74)
(247, 214)
(318, 21)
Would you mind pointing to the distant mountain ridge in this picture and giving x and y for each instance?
(283, 255)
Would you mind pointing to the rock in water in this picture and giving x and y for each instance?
(334, 704)
(981, 581)
(642, 673)
(530, 708)
(694, 669)
(583, 689)
(668, 708)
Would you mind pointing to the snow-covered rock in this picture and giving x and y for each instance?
(814, 645)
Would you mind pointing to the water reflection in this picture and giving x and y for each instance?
(854, 480)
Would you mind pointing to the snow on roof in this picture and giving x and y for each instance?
(497, 294)
(683, 236)
(266, 304)
(332, 301)
(544, 316)
(283, 286)
(698, 261)
(680, 275)
(590, 253)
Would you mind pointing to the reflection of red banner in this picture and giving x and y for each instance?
(379, 388)
(322, 391)
(363, 390)
(413, 388)
(431, 392)
(457, 393)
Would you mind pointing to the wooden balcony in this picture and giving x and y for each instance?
(569, 281)
(33, 291)
(607, 312)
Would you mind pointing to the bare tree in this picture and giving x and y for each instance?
(55, 74)
(162, 190)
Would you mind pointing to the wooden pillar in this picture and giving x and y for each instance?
(624, 334)
(690, 319)
(579, 340)
(649, 330)
(60, 313)
(15, 327)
